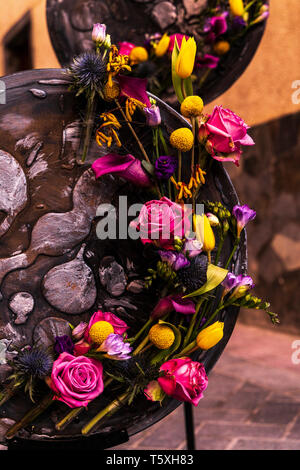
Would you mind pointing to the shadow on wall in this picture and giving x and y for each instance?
(268, 180)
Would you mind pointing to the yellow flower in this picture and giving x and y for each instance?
(236, 7)
(191, 106)
(204, 232)
(138, 55)
(222, 47)
(111, 92)
(210, 336)
(182, 139)
(99, 331)
(161, 336)
(162, 46)
(186, 59)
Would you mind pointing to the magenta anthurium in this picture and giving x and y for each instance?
(125, 166)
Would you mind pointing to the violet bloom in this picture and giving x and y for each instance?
(115, 347)
(192, 247)
(243, 215)
(207, 61)
(243, 285)
(215, 26)
(153, 117)
(165, 166)
(229, 283)
(63, 344)
(238, 24)
(175, 260)
(125, 166)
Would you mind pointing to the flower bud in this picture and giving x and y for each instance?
(153, 391)
(236, 7)
(99, 33)
(163, 45)
(210, 336)
(153, 116)
(79, 330)
(213, 219)
(204, 232)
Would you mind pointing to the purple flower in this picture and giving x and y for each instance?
(230, 282)
(165, 167)
(215, 26)
(207, 61)
(63, 344)
(171, 303)
(175, 260)
(153, 116)
(242, 286)
(99, 33)
(116, 348)
(192, 247)
(238, 24)
(243, 215)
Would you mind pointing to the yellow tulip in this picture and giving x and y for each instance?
(210, 336)
(186, 58)
(204, 232)
(236, 7)
(162, 46)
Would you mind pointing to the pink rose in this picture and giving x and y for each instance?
(184, 380)
(227, 132)
(161, 221)
(118, 325)
(76, 380)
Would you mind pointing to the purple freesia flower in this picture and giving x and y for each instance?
(243, 284)
(165, 167)
(115, 347)
(153, 116)
(175, 260)
(243, 215)
(125, 166)
(63, 344)
(192, 247)
(173, 302)
(207, 61)
(215, 26)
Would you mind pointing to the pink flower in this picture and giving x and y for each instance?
(179, 38)
(173, 302)
(227, 133)
(125, 166)
(134, 87)
(183, 379)
(207, 61)
(81, 348)
(76, 380)
(118, 325)
(160, 222)
(125, 47)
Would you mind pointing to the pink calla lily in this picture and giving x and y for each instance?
(125, 166)
(136, 88)
(173, 302)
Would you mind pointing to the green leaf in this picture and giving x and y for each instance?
(175, 78)
(188, 86)
(215, 276)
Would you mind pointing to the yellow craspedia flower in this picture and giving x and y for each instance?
(186, 59)
(182, 139)
(191, 106)
(236, 7)
(111, 92)
(162, 46)
(138, 55)
(210, 336)
(162, 336)
(221, 47)
(99, 331)
(204, 232)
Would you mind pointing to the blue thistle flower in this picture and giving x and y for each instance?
(88, 71)
(34, 362)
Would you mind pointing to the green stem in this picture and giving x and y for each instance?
(30, 416)
(179, 165)
(166, 150)
(235, 246)
(222, 239)
(141, 346)
(133, 340)
(88, 125)
(192, 323)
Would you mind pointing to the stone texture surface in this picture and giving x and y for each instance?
(268, 180)
(252, 401)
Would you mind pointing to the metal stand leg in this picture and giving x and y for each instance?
(189, 426)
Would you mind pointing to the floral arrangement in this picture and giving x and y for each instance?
(192, 284)
(218, 28)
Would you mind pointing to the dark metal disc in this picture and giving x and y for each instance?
(50, 254)
(70, 24)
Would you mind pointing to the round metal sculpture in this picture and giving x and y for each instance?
(70, 24)
(53, 267)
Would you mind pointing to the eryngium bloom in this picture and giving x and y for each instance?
(88, 71)
(34, 362)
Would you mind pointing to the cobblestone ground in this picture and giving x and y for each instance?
(252, 401)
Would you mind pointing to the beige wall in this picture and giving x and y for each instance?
(262, 93)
